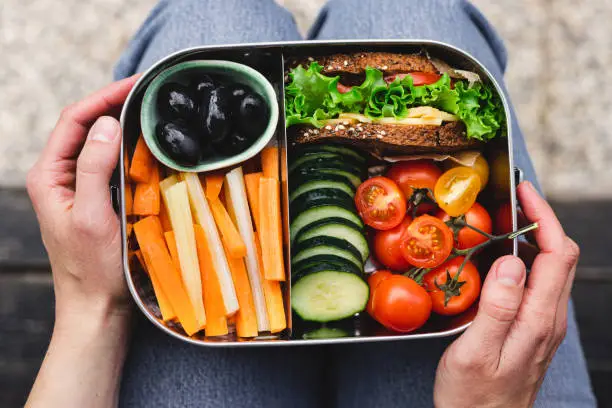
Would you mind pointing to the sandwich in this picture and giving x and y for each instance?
(390, 103)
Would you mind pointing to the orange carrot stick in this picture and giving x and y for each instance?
(171, 242)
(143, 265)
(270, 232)
(270, 162)
(128, 229)
(246, 318)
(129, 199)
(147, 199)
(161, 268)
(216, 322)
(274, 299)
(229, 233)
(142, 162)
(252, 186)
(214, 184)
(164, 218)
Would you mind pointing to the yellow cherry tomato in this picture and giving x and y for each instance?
(480, 165)
(457, 189)
(500, 175)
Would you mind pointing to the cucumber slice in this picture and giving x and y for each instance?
(306, 175)
(347, 152)
(325, 333)
(320, 262)
(329, 295)
(298, 207)
(339, 229)
(312, 198)
(318, 185)
(327, 246)
(331, 212)
(297, 181)
(314, 166)
(300, 159)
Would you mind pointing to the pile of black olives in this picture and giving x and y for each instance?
(209, 116)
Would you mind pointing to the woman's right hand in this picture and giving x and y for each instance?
(501, 359)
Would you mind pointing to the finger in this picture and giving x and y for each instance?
(552, 265)
(561, 320)
(95, 167)
(523, 222)
(500, 301)
(71, 129)
(528, 253)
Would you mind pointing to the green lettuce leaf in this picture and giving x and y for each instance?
(312, 98)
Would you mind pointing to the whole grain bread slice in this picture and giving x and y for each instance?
(386, 139)
(355, 64)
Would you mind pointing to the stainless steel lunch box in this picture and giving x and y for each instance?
(361, 329)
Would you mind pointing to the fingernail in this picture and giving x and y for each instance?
(105, 130)
(511, 272)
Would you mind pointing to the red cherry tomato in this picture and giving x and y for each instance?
(461, 293)
(427, 242)
(400, 304)
(477, 217)
(503, 219)
(380, 203)
(414, 174)
(373, 281)
(387, 246)
(418, 78)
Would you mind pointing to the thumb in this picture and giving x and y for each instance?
(500, 300)
(95, 166)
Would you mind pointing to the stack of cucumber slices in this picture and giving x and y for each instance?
(329, 247)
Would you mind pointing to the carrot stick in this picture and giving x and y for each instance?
(229, 233)
(164, 218)
(270, 232)
(161, 268)
(270, 162)
(147, 200)
(128, 229)
(214, 184)
(274, 299)
(171, 242)
(252, 186)
(142, 162)
(246, 318)
(129, 199)
(143, 265)
(216, 322)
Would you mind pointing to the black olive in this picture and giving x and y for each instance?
(179, 142)
(218, 118)
(176, 101)
(235, 143)
(203, 83)
(254, 115)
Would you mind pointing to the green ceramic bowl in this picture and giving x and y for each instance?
(179, 73)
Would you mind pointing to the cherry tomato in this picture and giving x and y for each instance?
(373, 281)
(387, 246)
(500, 175)
(503, 219)
(427, 243)
(380, 203)
(456, 190)
(477, 217)
(480, 165)
(401, 304)
(414, 174)
(458, 294)
(418, 78)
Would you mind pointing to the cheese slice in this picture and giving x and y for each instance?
(422, 115)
